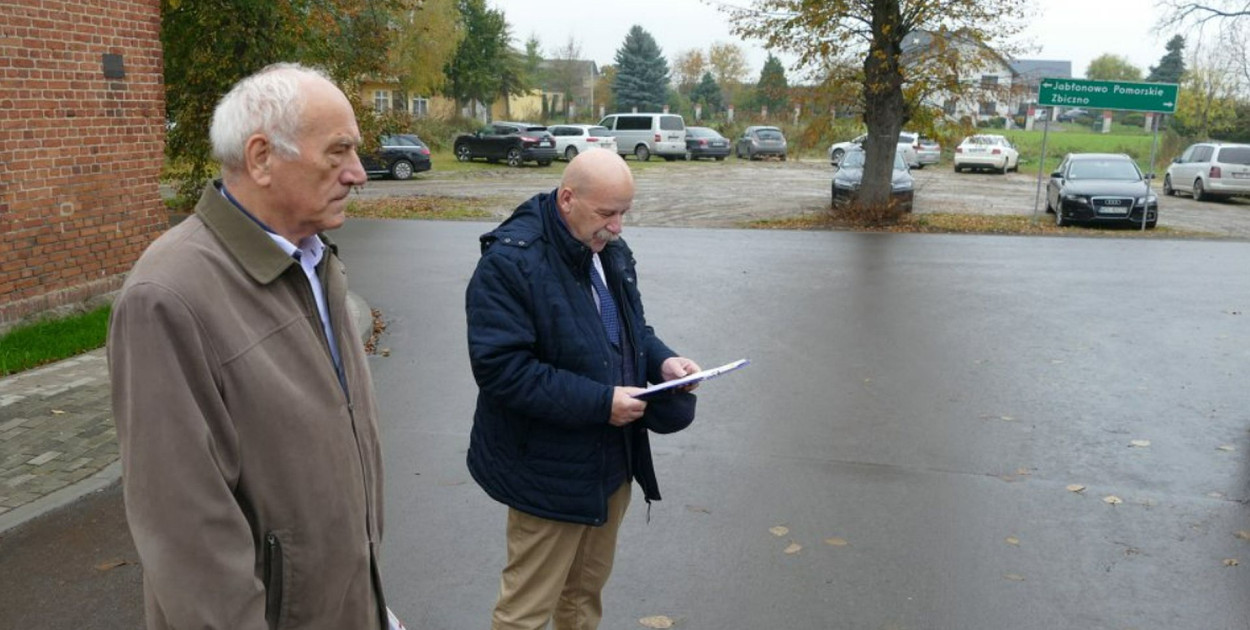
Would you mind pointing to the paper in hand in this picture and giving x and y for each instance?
(691, 378)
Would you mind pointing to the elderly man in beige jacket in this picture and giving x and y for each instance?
(243, 400)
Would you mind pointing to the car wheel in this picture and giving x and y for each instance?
(720, 158)
(642, 153)
(514, 157)
(463, 153)
(1150, 225)
(1049, 208)
(1167, 186)
(783, 157)
(1059, 218)
(401, 169)
(1200, 193)
(570, 153)
(544, 162)
(959, 169)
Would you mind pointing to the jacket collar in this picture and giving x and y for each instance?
(572, 251)
(244, 238)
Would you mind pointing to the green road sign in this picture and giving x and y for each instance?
(1138, 97)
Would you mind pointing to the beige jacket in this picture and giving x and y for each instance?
(253, 484)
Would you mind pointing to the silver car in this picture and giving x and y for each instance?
(1210, 170)
(760, 141)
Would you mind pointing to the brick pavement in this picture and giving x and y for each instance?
(57, 437)
(56, 428)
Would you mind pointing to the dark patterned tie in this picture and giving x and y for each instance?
(607, 307)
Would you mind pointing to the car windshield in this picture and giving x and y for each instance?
(700, 132)
(768, 134)
(907, 138)
(1235, 155)
(1119, 170)
(855, 159)
(986, 140)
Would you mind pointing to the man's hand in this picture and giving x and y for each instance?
(677, 367)
(626, 408)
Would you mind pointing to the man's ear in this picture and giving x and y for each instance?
(563, 197)
(258, 156)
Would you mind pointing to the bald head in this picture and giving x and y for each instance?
(596, 167)
(595, 193)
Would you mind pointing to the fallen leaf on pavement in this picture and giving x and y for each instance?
(1140, 443)
(58, 412)
(1231, 562)
(794, 548)
(1014, 577)
(658, 621)
(1076, 487)
(779, 530)
(110, 565)
(1007, 418)
(1012, 540)
(698, 508)
(1111, 499)
(836, 542)
(1023, 472)
(1243, 534)
(1227, 448)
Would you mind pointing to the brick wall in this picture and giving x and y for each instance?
(80, 152)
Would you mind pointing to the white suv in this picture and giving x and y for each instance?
(1210, 170)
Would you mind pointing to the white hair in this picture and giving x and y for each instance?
(269, 102)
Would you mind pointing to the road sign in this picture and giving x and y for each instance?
(1140, 97)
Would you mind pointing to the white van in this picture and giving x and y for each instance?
(644, 135)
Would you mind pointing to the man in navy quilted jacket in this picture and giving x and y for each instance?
(559, 345)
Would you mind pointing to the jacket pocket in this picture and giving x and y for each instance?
(273, 579)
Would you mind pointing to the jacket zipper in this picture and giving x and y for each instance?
(273, 579)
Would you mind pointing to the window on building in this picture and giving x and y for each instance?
(989, 80)
(989, 108)
(420, 107)
(381, 100)
(949, 107)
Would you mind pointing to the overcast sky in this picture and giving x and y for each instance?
(1065, 30)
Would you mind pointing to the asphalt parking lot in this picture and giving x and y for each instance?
(725, 194)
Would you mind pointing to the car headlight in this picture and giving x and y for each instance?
(1076, 198)
(901, 186)
(844, 185)
(1147, 200)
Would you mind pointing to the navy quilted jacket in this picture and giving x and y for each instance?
(545, 369)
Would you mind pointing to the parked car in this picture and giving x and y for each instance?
(987, 151)
(1100, 188)
(705, 142)
(850, 175)
(1210, 170)
(514, 142)
(910, 156)
(760, 141)
(928, 151)
(644, 135)
(398, 156)
(1070, 115)
(573, 139)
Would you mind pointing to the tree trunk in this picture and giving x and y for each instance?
(884, 109)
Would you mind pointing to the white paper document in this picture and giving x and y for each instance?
(692, 378)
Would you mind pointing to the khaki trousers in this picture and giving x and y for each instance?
(556, 571)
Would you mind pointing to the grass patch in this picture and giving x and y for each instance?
(32, 345)
(1062, 141)
(421, 207)
(941, 223)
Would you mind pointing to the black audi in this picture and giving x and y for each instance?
(1101, 188)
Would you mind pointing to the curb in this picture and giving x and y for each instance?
(111, 474)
